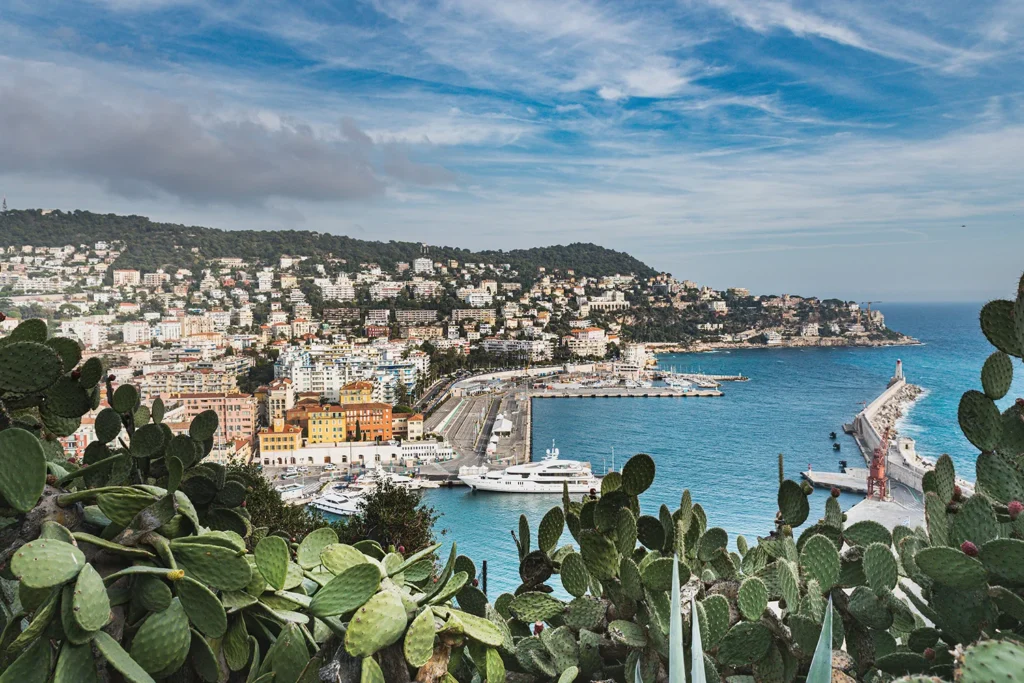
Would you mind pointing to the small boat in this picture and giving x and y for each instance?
(836, 447)
(377, 475)
(832, 435)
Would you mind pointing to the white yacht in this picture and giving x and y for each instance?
(374, 476)
(343, 503)
(546, 476)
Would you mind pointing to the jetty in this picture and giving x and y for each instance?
(623, 392)
(851, 479)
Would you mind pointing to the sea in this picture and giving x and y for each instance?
(725, 450)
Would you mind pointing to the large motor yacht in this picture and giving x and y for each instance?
(547, 476)
(343, 503)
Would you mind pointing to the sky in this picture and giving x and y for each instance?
(852, 148)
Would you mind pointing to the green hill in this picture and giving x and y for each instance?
(152, 245)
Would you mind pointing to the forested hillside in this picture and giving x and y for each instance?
(152, 245)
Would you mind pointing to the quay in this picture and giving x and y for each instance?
(623, 392)
(487, 419)
(852, 480)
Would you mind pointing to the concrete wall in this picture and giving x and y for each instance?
(460, 388)
(862, 423)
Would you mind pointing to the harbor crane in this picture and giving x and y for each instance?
(878, 481)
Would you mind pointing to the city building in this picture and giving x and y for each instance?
(236, 412)
(327, 425)
(368, 421)
(280, 437)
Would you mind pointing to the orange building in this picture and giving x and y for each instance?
(372, 420)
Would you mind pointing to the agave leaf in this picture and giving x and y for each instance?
(821, 664)
(676, 658)
(697, 671)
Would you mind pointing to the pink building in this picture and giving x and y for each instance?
(237, 413)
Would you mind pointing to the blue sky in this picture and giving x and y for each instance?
(851, 148)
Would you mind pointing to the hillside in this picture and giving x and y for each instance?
(152, 245)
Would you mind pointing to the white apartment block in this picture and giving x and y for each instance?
(136, 332)
(528, 349)
(128, 277)
(422, 265)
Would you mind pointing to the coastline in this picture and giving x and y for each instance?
(792, 343)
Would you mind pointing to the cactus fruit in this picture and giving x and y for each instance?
(834, 492)
(969, 549)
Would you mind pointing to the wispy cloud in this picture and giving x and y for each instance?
(708, 134)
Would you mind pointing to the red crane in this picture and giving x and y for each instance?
(878, 482)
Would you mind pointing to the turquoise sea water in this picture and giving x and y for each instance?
(725, 449)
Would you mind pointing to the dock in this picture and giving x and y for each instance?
(853, 480)
(624, 392)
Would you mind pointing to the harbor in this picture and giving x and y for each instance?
(487, 419)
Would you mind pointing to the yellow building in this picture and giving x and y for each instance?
(280, 437)
(356, 392)
(327, 425)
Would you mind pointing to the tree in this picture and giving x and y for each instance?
(393, 516)
(266, 509)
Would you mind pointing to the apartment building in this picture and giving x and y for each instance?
(356, 392)
(481, 315)
(532, 350)
(237, 412)
(126, 277)
(280, 437)
(415, 316)
(327, 425)
(372, 421)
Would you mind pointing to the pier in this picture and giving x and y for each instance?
(853, 480)
(624, 392)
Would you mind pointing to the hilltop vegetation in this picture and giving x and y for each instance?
(152, 245)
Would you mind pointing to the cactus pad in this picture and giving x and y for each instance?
(745, 643)
(951, 567)
(997, 375)
(867, 532)
(711, 541)
(28, 367)
(1004, 558)
(91, 606)
(308, 554)
(338, 557)
(820, 560)
(204, 425)
(215, 566)
(480, 629)
(203, 608)
(991, 661)
(880, 567)
(651, 532)
(419, 639)
(793, 503)
(550, 529)
(998, 477)
(272, 559)
(22, 469)
(75, 665)
(161, 644)
(533, 606)
(657, 575)
(627, 633)
(585, 613)
(637, 474)
(377, 624)
(575, 577)
(147, 440)
(43, 563)
(752, 598)
(599, 554)
(997, 323)
(715, 625)
(975, 522)
(980, 420)
(126, 397)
